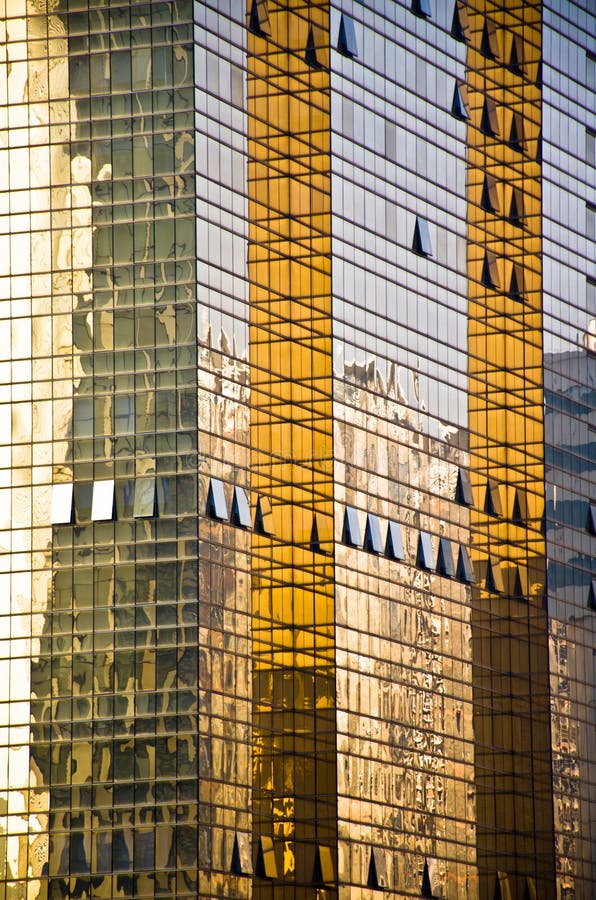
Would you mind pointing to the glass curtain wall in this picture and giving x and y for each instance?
(568, 143)
(509, 626)
(289, 264)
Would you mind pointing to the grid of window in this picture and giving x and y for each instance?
(133, 690)
(398, 162)
(570, 439)
(403, 653)
(116, 680)
(509, 624)
(226, 504)
(289, 264)
(400, 333)
(297, 461)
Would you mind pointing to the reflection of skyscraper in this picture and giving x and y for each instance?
(570, 448)
(293, 306)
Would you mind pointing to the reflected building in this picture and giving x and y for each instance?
(298, 479)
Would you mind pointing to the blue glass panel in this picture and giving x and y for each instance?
(445, 564)
(425, 558)
(394, 547)
(241, 508)
(465, 572)
(351, 533)
(372, 534)
(346, 42)
(422, 243)
(217, 507)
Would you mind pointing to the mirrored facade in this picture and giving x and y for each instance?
(569, 378)
(298, 512)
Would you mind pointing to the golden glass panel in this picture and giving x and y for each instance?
(266, 866)
(506, 434)
(323, 871)
(291, 434)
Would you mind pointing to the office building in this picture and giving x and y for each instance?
(298, 516)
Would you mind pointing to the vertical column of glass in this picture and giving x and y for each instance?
(225, 684)
(570, 413)
(511, 691)
(116, 719)
(406, 796)
(35, 399)
(291, 438)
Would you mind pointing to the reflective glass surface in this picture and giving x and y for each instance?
(570, 438)
(297, 480)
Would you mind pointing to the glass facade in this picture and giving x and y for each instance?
(297, 456)
(569, 433)
(509, 623)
